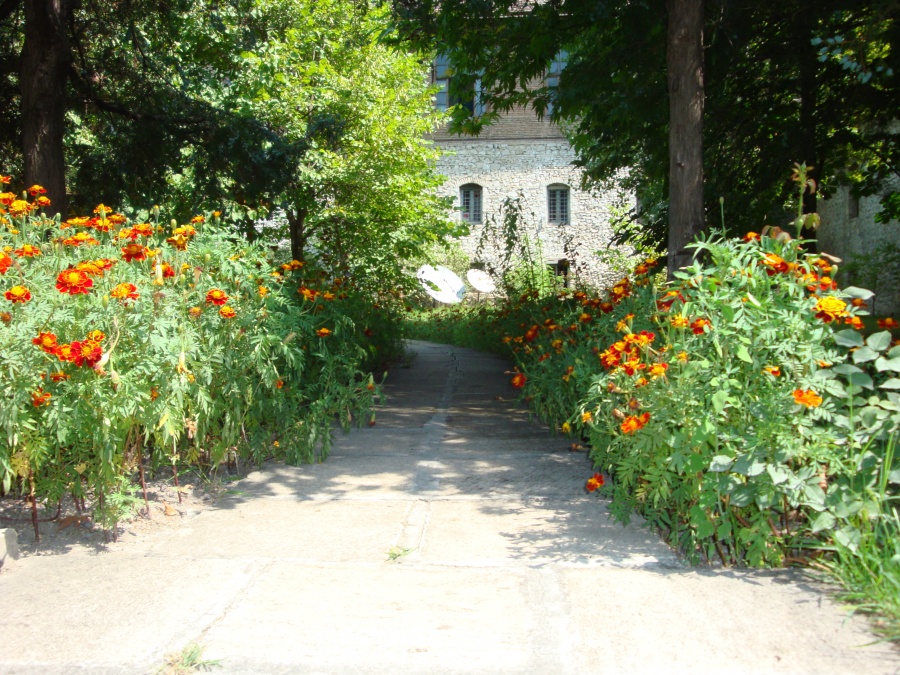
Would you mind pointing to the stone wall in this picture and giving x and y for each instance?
(870, 250)
(507, 167)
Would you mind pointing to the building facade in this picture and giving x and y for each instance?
(522, 156)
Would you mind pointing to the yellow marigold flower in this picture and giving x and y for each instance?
(679, 321)
(682, 356)
(323, 332)
(807, 397)
(830, 308)
(195, 312)
(226, 312)
(587, 417)
(774, 371)
(566, 427)
(262, 291)
(658, 369)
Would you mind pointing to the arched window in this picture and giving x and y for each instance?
(470, 202)
(558, 205)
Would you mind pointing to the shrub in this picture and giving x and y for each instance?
(131, 341)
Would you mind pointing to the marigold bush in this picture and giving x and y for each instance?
(722, 405)
(124, 343)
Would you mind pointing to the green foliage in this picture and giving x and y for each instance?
(811, 80)
(176, 345)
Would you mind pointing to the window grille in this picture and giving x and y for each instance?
(558, 205)
(553, 72)
(470, 203)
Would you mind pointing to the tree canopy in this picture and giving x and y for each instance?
(247, 106)
(794, 81)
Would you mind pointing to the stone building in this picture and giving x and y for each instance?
(870, 250)
(523, 156)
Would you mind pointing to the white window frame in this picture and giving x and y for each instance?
(559, 206)
(471, 203)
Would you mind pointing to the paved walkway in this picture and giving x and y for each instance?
(453, 537)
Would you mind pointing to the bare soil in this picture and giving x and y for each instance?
(64, 528)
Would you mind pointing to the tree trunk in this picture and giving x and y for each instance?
(684, 63)
(808, 85)
(46, 57)
(296, 221)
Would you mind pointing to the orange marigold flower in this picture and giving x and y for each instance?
(216, 296)
(18, 294)
(888, 323)
(97, 336)
(198, 219)
(682, 356)
(65, 353)
(807, 397)
(262, 291)
(86, 353)
(774, 371)
(859, 302)
(178, 241)
(80, 238)
(307, 293)
(59, 376)
(4, 180)
(28, 251)
(125, 292)
(594, 482)
(665, 302)
(42, 201)
(658, 369)
(46, 341)
(699, 325)
(226, 312)
(36, 190)
(195, 312)
(775, 264)
(5, 317)
(634, 422)
(20, 208)
(184, 231)
(854, 322)
(103, 210)
(40, 397)
(323, 332)
(154, 393)
(751, 236)
(679, 321)
(606, 307)
(133, 252)
(5, 262)
(279, 384)
(587, 417)
(73, 282)
(518, 380)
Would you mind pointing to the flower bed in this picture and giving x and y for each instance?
(125, 343)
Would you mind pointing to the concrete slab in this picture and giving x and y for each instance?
(298, 618)
(115, 614)
(713, 622)
(509, 532)
(326, 531)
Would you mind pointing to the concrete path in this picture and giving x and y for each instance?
(453, 537)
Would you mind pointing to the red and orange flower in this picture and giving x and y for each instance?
(634, 422)
(226, 312)
(125, 292)
(594, 482)
(18, 294)
(216, 296)
(134, 252)
(807, 397)
(73, 282)
(46, 341)
(518, 380)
